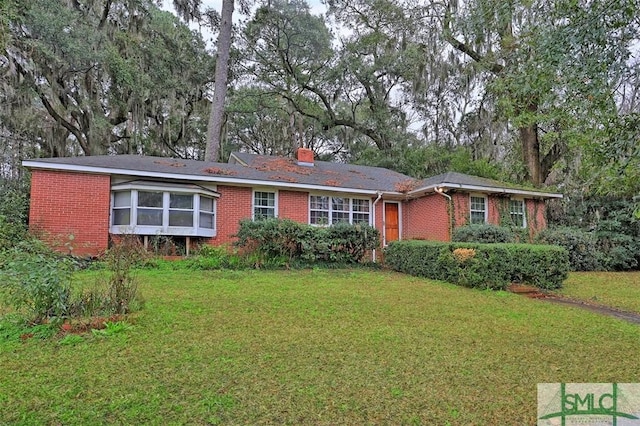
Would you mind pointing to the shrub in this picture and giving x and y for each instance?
(483, 234)
(283, 240)
(118, 292)
(36, 280)
(581, 245)
(122, 295)
(491, 266)
(618, 245)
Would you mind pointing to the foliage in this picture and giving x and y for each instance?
(122, 292)
(36, 280)
(13, 212)
(491, 266)
(223, 257)
(581, 246)
(476, 233)
(293, 241)
(609, 224)
(103, 76)
(425, 161)
(550, 72)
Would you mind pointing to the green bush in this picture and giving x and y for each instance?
(611, 223)
(283, 240)
(618, 246)
(581, 245)
(483, 234)
(492, 266)
(36, 281)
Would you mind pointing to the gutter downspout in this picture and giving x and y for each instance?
(440, 191)
(373, 252)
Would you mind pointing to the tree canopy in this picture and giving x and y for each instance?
(545, 92)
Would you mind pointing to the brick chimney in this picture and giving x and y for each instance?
(305, 157)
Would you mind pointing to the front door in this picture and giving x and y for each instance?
(391, 222)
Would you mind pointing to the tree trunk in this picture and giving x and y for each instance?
(531, 152)
(214, 130)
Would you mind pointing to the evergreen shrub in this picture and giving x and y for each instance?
(486, 266)
(296, 242)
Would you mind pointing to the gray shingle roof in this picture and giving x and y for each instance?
(254, 169)
(453, 180)
(261, 168)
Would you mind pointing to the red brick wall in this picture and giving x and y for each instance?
(70, 210)
(536, 218)
(293, 205)
(460, 208)
(235, 203)
(494, 205)
(426, 218)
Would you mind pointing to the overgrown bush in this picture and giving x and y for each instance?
(581, 245)
(122, 290)
(13, 213)
(618, 246)
(286, 240)
(612, 224)
(484, 234)
(224, 257)
(492, 266)
(36, 281)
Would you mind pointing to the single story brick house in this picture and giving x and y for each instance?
(77, 203)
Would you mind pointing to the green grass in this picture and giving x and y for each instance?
(314, 347)
(615, 289)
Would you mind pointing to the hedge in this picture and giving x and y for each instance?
(292, 241)
(487, 266)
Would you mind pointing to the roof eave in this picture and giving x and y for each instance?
(488, 189)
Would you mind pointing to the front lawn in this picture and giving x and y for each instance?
(615, 289)
(315, 347)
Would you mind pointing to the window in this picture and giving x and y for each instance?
(360, 211)
(122, 208)
(180, 210)
(339, 210)
(516, 211)
(149, 211)
(207, 213)
(264, 205)
(325, 210)
(478, 210)
(319, 210)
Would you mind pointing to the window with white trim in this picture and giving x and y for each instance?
(121, 212)
(360, 210)
(319, 210)
(264, 205)
(478, 209)
(517, 213)
(150, 211)
(207, 213)
(326, 210)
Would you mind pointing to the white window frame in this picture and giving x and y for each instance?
(330, 211)
(254, 206)
(164, 228)
(472, 210)
(522, 213)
